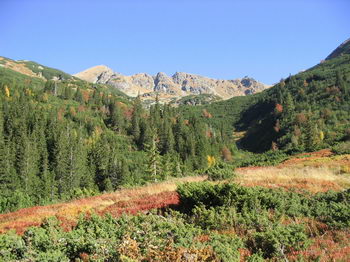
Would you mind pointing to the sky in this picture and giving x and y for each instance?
(266, 40)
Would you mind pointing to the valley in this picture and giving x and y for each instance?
(90, 173)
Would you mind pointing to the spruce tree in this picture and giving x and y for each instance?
(153, 165)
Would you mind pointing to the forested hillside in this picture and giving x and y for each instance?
(65, 139)
(304, 112)
(307, 111)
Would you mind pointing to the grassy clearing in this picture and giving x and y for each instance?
(313, 179)
(315, 172)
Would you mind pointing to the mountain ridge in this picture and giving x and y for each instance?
(342, 49)
(180, 84)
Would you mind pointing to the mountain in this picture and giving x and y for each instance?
(305, 112)
(33, 69)
(179, 85)
(61, 136)
(343, 49)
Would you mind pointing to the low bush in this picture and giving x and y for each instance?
(331, 207)
(220, 171)
(342, 148)
(269, 158)
(279, 241)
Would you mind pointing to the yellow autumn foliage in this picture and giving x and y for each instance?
(211, 160)
(7, 91)
(321, 135)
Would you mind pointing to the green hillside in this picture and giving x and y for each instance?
(343, 49)
(304, 112)
(39, 70)
(68, 138)
(307, 111)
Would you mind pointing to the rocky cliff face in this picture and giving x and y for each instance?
(179, 85)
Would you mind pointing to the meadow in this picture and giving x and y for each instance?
(295, 211)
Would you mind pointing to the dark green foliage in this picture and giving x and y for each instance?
(212, 212)
(343, 49)
(65, 138)
(220, 171)
(195, 100)
(307, 111)
(226, 246)
(342, 148)
(224, 114)
(258, 212)
(269, 158)
(100, 239)
(331, 207)
(279, 240)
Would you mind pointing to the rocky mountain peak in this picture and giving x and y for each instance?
(97, 74)
(178, 85)
(164, 83)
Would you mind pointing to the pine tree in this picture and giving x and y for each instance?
(78, 96)
(135, 120)
(166, 167)
(49, 86)
(116, 119)
(67, 94)
(101, 154)
(124, 173)
(26, 159)
(145, 135)
(7, 171)
(153, 168)
(62, 161)
(167, 138)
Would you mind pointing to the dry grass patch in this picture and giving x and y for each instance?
(313, 179)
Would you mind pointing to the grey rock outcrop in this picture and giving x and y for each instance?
(179, 85)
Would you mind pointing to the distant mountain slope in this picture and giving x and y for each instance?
(304, 112)
(94, 74)
(179, 85)
(33, 69)
(343, 49)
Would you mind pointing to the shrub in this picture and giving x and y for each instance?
(269, 158)
(342, 148)
(279, 240)
(257, 257)
(220, 171)
(226, 247)
(12, 246)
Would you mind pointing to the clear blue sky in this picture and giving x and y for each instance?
(222, 39)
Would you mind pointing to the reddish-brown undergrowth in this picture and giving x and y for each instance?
(129, 201)
(141, 204)
(330, 246)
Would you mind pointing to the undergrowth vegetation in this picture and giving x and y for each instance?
(213, 222)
